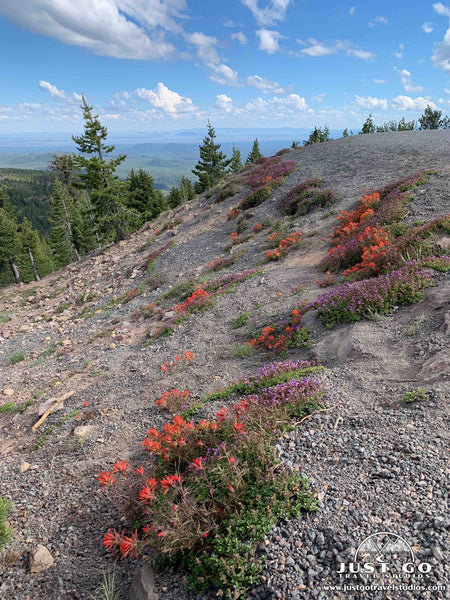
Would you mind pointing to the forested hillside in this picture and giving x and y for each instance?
(29, 192)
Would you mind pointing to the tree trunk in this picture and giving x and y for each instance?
(36, 274)
(15, 270)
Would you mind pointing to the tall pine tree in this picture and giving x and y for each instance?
(212, 164)
(236, 161)
(143, 197)
(255, 153)
(62, 218)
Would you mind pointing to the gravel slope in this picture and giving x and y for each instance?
(375, 463)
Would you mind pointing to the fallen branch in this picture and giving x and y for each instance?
(53, 407)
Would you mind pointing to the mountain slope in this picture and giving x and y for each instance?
(375, 462)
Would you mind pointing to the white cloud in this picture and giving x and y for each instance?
(224, 74)
(274, 11)
(378, 20)
(318, 97)
(240, 37)
(224, 103)
(371, 103)
(268, 40)
(446, 91)
(168, 101)
(442, 10)
(379, 81)
(352, 10)
(315, 48)
(267, 86)
(206, 46)
(441, 57)
(405, 80)
(277, 107)
(408, 103)
(228, 23)
(363, 54)
(399, 53)
(427, 27)
(105, 27)
(55, 93)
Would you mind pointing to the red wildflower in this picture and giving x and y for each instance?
(106, 478)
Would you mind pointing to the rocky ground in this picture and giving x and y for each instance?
(376, 464)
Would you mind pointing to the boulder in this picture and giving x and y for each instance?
(142, 587)
(40, 560)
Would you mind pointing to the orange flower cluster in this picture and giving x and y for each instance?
(353, 220)
(267, 179)
(174, 396)
(235, 238)
(257, 228)
(233, 214)
(130, 295)
(169, 367)
(327, 281)
(292, 240)
(273, 341)
(197, 300)
(376, 239)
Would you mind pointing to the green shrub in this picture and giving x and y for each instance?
(241, 320)
(255, 198)
(17, 357)
(6, 531)
(417, 395)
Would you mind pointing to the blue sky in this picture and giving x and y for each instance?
(155, 65)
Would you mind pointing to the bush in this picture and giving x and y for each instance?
(351, 302)
(6, 531)
(255, 198)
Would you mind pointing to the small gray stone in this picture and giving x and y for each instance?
(142, 587)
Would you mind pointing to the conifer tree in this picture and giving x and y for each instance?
(9, 244)
(116, 219)
(432, 119)
(97, 170)
(34, 256)
(255, 153)
(368, 126)
(143, 197)
(212, 164)
(236, 161)
(61, 218)
(345, 132)
(187, 190)
(317, 136)
(174, 198)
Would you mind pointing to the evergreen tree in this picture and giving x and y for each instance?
(368, 126)
(345, 132)
(317, 136)
(9, 245)
(142, 196)
(86, 235)
(66, 170)
(34, 257)
(212, 164)
(187, 190)
(236, 161)
(174, 198)
(432, 119)
(255, 153)
(404, 125)
(116, 219)
(61, 218)
(97, 171)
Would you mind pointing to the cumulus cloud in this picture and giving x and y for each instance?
(399, 53)
(427, 27)
(267, 86)
(274, 12)
(268, 40)
(352, 10)
(441, 57)
(57, 94)
(378, 21)
(408, 103)
(291, 105)
(405, 80)
(315, 48)
(379, 81)
(224, 103)
(371, 103)
(318, 97)
(116, 28)
(224, 74)
(166, 100)
(206, 46)
(240, 37)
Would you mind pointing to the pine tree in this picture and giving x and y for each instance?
(62, 235)
(317, 136)
(86, 235)
(66, 170)
(345, 132)
(116, 219)
(174, 198)
(212, 164)
(255, 153)
(34, 257)
(143, 197)
(432, 119)
(9, 245)
(187, 190)
(97, 171)
(236, 161)
(368, 126)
